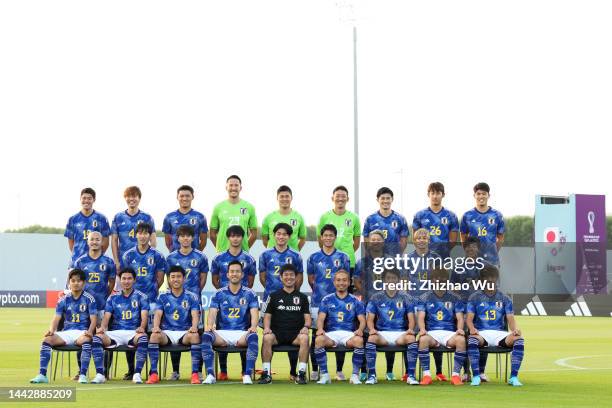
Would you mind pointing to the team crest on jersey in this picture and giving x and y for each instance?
(499, 304)
(103, 267)
(150, 260)
(82, 307)
(337, 263)
(399, 305)
(394, 224)
(444, 220)
(192, 221)
(243, 211)
(139, 222)
(242, 301)
(348, 223)
(134, 303)
(288, 260)
(194, 262)
(349, 306)
(491, 220)
(94, 224)
(448, 305)
(185, 304)
(296, 300)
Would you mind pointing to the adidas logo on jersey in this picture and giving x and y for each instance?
(281, 301)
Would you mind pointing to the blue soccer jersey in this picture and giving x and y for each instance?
(194, 218)
(77, 312)
(126, 310)
(234, 309)
(420, 268)
(468, 275)
(439, 224)
(324, 267)
(220, 264)
(78, 228)
(177, 309)
(271, 262)
(97, 274)
(391, 312)
(195, 264)
(440, 311)
(490, 311)
(485, 226)
(124, 225)
(146, 265)
(394, 226)
(341, 313)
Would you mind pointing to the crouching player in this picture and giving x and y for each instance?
(338, 313)
(488, 311)
(237, 310)
(391, 322)
(79, 312)
(437, 311)
(177, 313)
(129, 311)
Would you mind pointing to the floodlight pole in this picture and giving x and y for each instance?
(355, 122)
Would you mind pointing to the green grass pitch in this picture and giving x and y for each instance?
(568, 362)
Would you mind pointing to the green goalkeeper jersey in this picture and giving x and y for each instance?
(294, 219)
(348, 227)
(227, 214)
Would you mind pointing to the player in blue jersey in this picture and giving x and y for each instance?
(485, 223)
(392, 224)
(340, 322)
(100, 271)
(123, 238)
(218, 268)
(469, 272)
(82, 223)
(422, 261)
(391, 321)
(441, 317)
(490, 319)
(235, 252)
(127, 314)
(271, 261)
(79, 312)
(321, 269)
(148, 263)
(442, 224)
(177, 313)
(185, 215)
(123, 228)
(233, 315)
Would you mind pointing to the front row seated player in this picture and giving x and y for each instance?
(488, 311)
(339, 313)
(79, 311)
(286, 322)
(237, 309)
(177, 313)
(129, 311)
(437, 311)
(391, 322)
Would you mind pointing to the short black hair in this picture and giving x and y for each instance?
(89, 190)
(184, 187)
(234, 262)
(176, 268)
(283, 189)
(288, 267)
(384, 190)
(235, 230)
(285, 226)
(329, 227)
(185, 230)
(340, 188)
(390, 271)
(234, 176)
(127, 270)
(471, 241)
(489, 273)
(439, 273)
(144, 227)
(435, 187)
(78, 273)
(482, 186)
